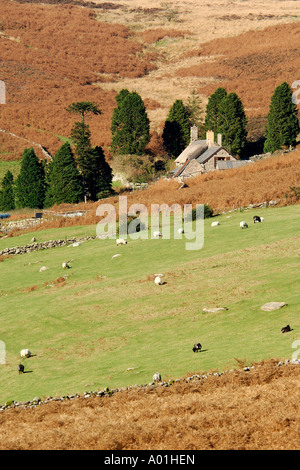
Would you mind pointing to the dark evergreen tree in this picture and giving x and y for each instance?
(7, 197)
(176, 133)
(130, 125)
(232, 123)
(282, 125)
(97, 175)
(64, 181)
(30, 184)
(213, 110)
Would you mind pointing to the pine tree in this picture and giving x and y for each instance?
(97, 175)
(64, 181)
(30, 184)
(213, 110)
(7, 197)
(130, 125)
(282, 125)
(176, 133)
(232, 124)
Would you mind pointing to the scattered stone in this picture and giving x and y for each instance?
(214, 310)
(270, 306)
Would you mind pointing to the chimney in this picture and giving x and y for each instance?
(194, 133)
(210, 138)
(219, 137)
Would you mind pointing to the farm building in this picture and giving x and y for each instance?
(201, 156)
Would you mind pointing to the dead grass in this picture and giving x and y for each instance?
(253, 410)
(46, 67)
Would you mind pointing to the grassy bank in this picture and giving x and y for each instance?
(108, 325)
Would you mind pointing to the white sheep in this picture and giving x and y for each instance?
(121, 241)
(180, 231)
(158, 280)
(156, 377)
(157, 234)
(243, 224)
(25, 353)
(214, 224)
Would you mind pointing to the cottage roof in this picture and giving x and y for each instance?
(193, 150)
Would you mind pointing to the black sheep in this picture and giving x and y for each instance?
(21, 368)
(197, 347)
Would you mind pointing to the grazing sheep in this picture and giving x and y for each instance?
(197, 347)
(121, 241)
(180, 231)
(65, 266)
(21, 369)
(156, 377)
(256, 218)
(25, 353)
(243, 224)
(285, 329)
(158, 280)
(157, 234)
(214, 224)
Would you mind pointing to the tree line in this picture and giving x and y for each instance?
(84, 174)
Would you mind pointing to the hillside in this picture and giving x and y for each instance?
(105, 324)
(250, 410)
(45, 64)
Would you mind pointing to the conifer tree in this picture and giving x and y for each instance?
(64, 182)
(176, 133)
(7, 197)
(130, 125)
(97, 175)
(282, 124)
(30, 184)
(213, 110)
(232, 124)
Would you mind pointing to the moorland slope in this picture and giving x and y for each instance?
(56, 53)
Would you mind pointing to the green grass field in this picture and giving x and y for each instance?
(109, 325)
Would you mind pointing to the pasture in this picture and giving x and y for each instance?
(108, 325)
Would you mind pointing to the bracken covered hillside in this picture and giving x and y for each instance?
(50, 55)
(54, 54)
(256, 409)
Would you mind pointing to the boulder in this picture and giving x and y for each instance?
(270, 306)
(214, 310)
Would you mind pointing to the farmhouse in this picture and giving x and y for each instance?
(201, 156)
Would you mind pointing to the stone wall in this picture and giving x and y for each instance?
(35, 246)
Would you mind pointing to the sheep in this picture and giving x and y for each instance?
(180, 231)
(243, 224)
(156, 377)
(197, 347)
(158, 280)
(25, 353)
(121, 241)
(21, 369)
(214, 224)
(285, 329)
(157, 234)
(65, 266)
(262, 219)
(256, 218)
